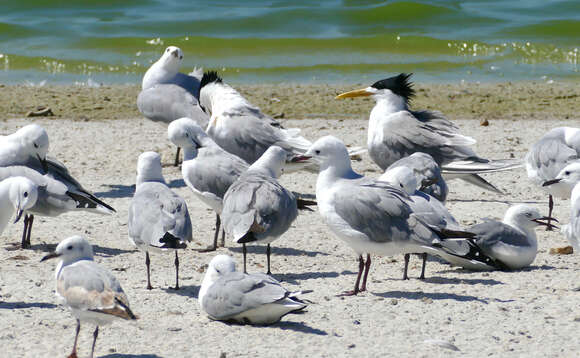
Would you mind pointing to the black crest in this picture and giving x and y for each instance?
(399, 85)
(210, 77)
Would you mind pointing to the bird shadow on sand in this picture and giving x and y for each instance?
(432, 295)
(281, 251)
(120, 355)
(176, 183)
(98, 250)
(468, 272)
(299, 327)
(295, 278)
(21, 305)
(508, 202)
(188, 291)
(117, 191)
(458, 281)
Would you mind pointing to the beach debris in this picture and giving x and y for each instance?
(484, 122)
(41, 111)
(279, 115)
(566, 250)
(442, 343)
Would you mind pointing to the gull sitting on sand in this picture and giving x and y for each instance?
(426, 207)
(17, 194)
(429, 178)
(570, 176)
(256, 208)
(227, 295)
(168, 94)
(548, 156)
(158, 218)
(512, 243)
(58, 191)
(242, 129)
(207, 169)
(395, 131)
(372, 216)
(86, 288)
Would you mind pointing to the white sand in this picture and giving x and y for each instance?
(530, 313)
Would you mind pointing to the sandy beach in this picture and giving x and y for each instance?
(532, 312)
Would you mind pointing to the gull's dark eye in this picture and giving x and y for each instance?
(567, 172)
(35, 145)
(187, 135)
(69, 247)
(167, 50)
(401, 185)
(529, 215)
(25, 194)
(317, 151)
(180, 57)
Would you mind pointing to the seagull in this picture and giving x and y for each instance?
(207, 169)
(427, 174)
(89, 290)
(546, 158)
(227, 295)
(58, 191)
(372, 216)
(511, 243)
(168, 94)
(158, 218)
(395, 131)
(242, 129)
(570, 176)
(256, 208)
(17, 194)
(27, 146)
(426, 207)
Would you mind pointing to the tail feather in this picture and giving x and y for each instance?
(474, 167)
(477, 180)
(86, 200)
(305, 204)
(169, 241)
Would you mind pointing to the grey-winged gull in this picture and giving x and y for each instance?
(87, 289)
(158, 217)
(227, 295)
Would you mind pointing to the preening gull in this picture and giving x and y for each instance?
(86, 288)
(372, 216)
(546, 158)
(158, 218)
(256, 208)
(17, 194)
(207, 169)
(395, 131)
(227, 295)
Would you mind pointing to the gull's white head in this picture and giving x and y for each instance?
(22, 194)
(329, 151)
(272, 161)
(171, 59)
(149, 168)
(525, 217)
(219, 266)
(33, 140)
(72, 249)
(565, 181)
(185, 133)
(398, 89)
(401, 177)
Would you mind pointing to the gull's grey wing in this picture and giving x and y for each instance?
(87, 286)
(426, 170)
(237, 292)
(492, 232)
(433, 212)
(549, 155)
(214, 170)
(156, 211)
(404, 135)
(190, 83)
(168, 102)
(258, 203)
(380, 211)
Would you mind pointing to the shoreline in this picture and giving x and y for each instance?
(506, 100)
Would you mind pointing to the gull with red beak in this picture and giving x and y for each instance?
(395, 131)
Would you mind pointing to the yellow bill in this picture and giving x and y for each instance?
(356, 93)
